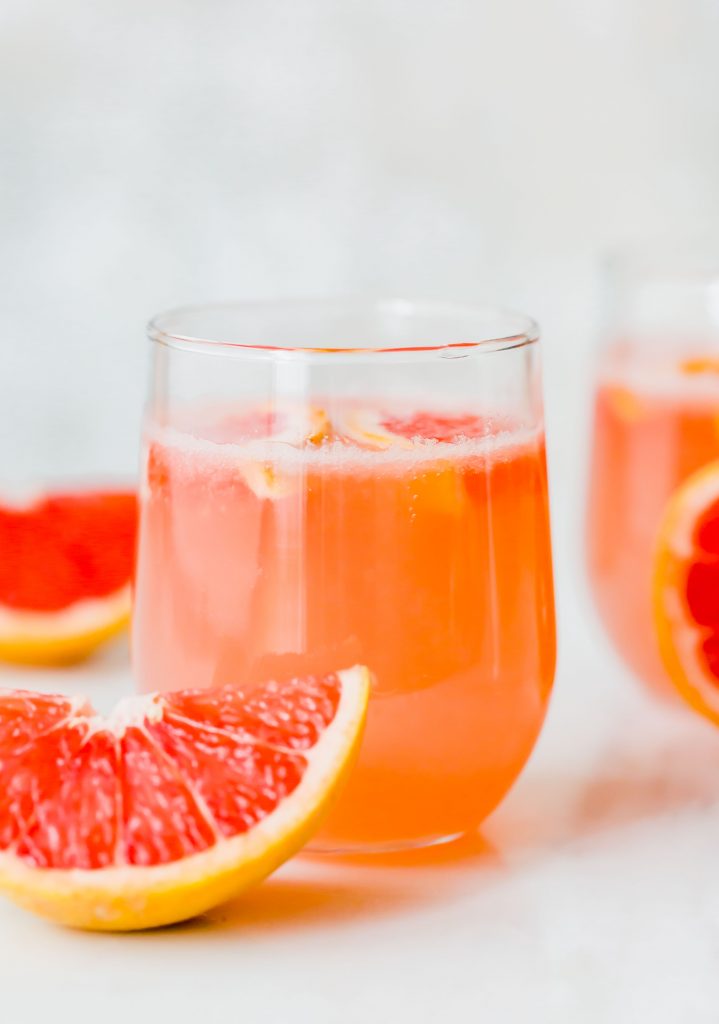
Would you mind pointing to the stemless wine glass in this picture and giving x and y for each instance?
(338, 482)
(655, 423)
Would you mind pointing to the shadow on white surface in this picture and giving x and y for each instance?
(315, 890)
(653, 763)
(635, 785)
(291, 904)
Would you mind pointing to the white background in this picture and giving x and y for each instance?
(159, 152)
(189, 150)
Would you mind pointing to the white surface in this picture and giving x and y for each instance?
(591, 898)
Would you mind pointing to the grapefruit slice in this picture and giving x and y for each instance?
(436, 484)
(285, 423)
(292, 423)
(686, 590)
(373, 428)
(65, 568)
(173, 803)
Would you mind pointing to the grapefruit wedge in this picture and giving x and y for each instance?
(686, 590)
(65, 568)
(173, 803)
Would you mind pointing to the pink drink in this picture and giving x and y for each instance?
(429, 561)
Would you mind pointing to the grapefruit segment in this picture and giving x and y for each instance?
(686, 590)
(173, 803)
(374, 428)
(65, 568)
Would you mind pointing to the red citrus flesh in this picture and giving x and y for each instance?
(434, 427)
(702, 585)
(172, 804)
(66, 548)
(168, 778)
(686, 590)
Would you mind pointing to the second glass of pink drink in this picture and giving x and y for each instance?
(656, 422)
(334, 483)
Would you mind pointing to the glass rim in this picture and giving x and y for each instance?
(521, 330)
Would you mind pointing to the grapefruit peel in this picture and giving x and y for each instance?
(679, 635)
(126, 897)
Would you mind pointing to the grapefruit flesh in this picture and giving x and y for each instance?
(65, 568)
(374, 428)
(434, 427)
(173, 803)
(686, 590)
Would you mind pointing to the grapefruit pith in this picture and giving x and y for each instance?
(686, 590)
(65, 569)
(172, 804)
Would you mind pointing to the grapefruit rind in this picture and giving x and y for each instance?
(55, 638)
(677, 639)
(130, 898)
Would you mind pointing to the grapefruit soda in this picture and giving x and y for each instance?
(656, 415)
(359, 523)
(656, 421)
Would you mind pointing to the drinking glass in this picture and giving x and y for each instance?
(655, 423)
(328, 483)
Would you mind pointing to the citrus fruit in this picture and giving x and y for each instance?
(173, 803)
(436, 483)
(65, 568)
(686, 590)
(285, 423)
(281, 420)
(374, 428)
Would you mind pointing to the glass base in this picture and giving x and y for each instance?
(392, 846)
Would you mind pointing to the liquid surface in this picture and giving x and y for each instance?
(430, 563)
(654, 425)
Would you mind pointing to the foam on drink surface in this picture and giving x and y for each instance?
(188, 444)
(663, 375)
